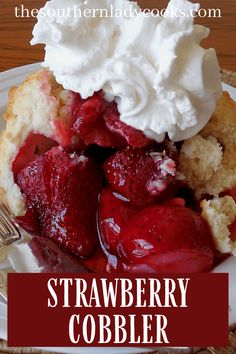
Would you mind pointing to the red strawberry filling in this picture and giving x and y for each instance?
(96, 121)
(118, 215)
(167, 238)
(114, 213)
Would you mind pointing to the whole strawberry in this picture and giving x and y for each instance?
(63, 189)
(140, 175)
(167, 238)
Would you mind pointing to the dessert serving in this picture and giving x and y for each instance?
(122, 149)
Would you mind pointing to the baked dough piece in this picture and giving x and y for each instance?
(220, 213)
(32, 107)
(208, 160)
(222, 125)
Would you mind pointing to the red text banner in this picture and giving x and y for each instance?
(48, 310)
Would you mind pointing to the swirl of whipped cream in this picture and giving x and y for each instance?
(162, 79)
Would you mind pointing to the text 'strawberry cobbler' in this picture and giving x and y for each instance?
(122, 148)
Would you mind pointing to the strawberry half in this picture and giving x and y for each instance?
(167, 239)
(63, 189)
(140, 175)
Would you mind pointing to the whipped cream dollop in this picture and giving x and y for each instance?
(164, 82)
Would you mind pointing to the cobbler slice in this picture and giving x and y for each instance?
(72, 171)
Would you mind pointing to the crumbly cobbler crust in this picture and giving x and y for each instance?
(208, 160)
(220, 213)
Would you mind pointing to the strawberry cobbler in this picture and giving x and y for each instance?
(121, 153)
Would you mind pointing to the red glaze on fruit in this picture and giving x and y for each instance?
(139, 175)
(133, 137)
(97, 262)
(89, 123)
(113, 214)
(63, 189)
(101, 262)
(167, 239)
(29, 221)
(95, 121)
(65, 135)
(175, 202)
(34, 145)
